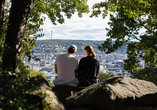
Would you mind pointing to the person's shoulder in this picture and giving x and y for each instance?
(61, 55)
(72, 57)
(96, 60)
(75, 59)
(83, 58)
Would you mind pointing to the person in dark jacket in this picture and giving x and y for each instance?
(88, 68)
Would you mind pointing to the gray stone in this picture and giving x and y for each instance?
(115, 93)
(43, 86)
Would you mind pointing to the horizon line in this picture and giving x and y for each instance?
(70, 39)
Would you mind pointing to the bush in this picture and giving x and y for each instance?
(27, 72)
(13, 89)
(148, 73)
(12, 92)
(103, 76)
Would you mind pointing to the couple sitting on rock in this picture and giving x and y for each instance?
(70, 73)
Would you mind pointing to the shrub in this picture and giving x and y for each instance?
(12, 92)
(103, 76)
(148, 73)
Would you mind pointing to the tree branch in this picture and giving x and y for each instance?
(141, 24)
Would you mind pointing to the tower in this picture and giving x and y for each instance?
(51, 34)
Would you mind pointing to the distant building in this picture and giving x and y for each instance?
(42, 64)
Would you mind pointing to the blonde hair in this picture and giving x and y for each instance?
(90, 51)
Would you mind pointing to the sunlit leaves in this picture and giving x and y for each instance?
(150, 56)
(148, 73)
(133, 8)
(12, 92)
(129, 19)
(144, 11)
(58, 9)
(3, 27)
(122, 29)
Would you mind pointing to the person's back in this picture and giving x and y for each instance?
(66, 64)
(65, 67)
(88, 68)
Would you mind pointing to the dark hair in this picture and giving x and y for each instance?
(90, 51)
(72, 49)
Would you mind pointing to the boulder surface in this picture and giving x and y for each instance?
(44, 88)
(115, 93)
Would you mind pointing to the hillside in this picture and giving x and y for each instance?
(57, 45)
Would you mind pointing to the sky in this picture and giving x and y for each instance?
(76, 28)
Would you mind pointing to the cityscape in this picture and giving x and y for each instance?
(109, 63)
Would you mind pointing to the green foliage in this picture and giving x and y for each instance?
(45, 102)
(56, 8)
(43, 44)
(122, 30)
(125, 27)
(3, 30)
(12, 92)
(132, 8)
(46, 106)
(143, 50)
(103, 76)
(148, 73)
(34, 73)
(25, 72)
(13, 86)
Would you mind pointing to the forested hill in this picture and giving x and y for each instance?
(56, 45)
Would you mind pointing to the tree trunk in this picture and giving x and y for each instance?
(19, 12)
(1, 15)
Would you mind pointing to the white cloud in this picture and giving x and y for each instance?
(76, 28)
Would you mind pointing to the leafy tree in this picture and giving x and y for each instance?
(12, 92)
(32, 28)
(2, 2)
(24, 10)
(17, 23)
(3, 25)
(130, 19)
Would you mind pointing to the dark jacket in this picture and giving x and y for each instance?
(87, 71)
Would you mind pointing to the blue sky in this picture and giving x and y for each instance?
(76, 28)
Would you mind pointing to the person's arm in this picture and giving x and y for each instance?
(79, 70)
(98, 67)
(76, 67)
(56, 68)
(75, 70)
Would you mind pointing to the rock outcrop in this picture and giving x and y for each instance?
(115, 93)
(33, 96)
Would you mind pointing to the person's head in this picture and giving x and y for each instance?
(89, 51)
(72, 49)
